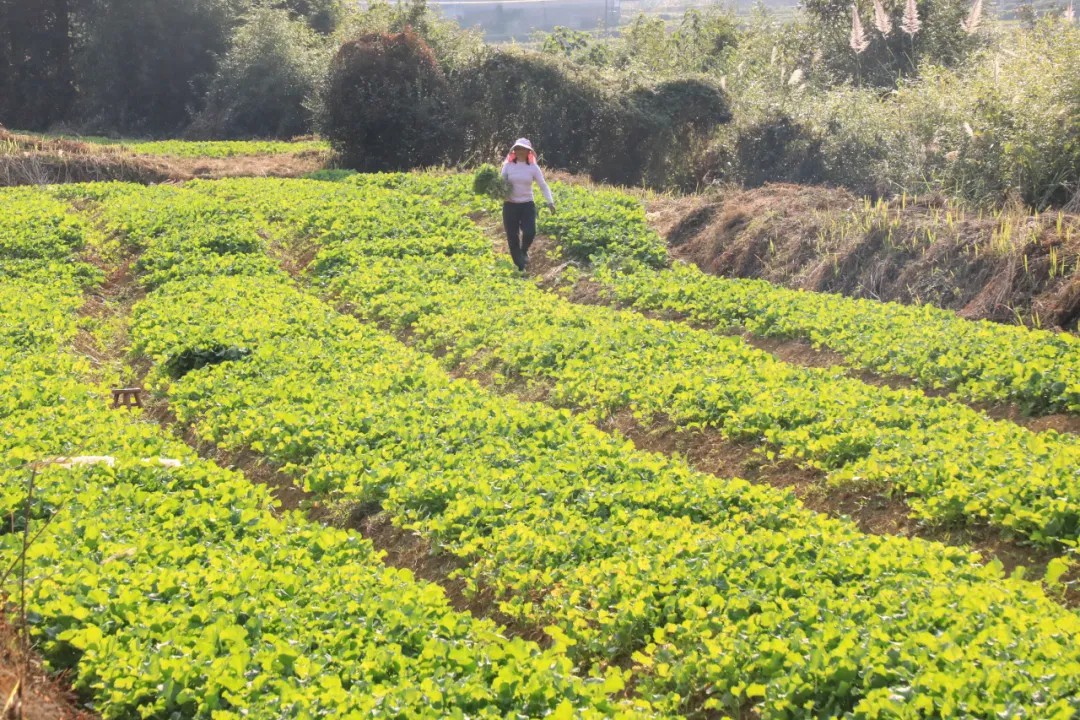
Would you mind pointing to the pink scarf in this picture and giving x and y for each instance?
(531, 161)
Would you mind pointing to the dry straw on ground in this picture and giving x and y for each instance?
(30, 160)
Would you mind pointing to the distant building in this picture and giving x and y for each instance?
(503, 20)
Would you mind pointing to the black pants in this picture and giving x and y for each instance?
(519, 219)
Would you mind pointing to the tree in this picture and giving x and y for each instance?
(322, 16)
(386, 103)
(36, 79)
(143, 66)
(263, 84)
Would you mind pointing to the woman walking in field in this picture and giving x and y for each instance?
(519, 211)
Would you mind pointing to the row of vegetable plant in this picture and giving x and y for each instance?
(208, 148)
(956, 465)
(717, 594)
(226, 148)
(979, 361)
(172, 588)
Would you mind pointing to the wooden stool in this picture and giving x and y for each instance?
(127, 397)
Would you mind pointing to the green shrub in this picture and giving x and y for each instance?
(264, 82)
(584, 121)
(1012, 119)
(330, 175)
(1002, 124)
(386, 104)
(322, 16)
(773, 148)
(454, 46)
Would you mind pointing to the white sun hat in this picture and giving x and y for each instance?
(522, 142)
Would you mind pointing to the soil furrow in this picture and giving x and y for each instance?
(872, 509)
(43, 696)
(110, 306)
(792, 351)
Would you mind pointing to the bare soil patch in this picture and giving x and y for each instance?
(43, 696)
(284, 166)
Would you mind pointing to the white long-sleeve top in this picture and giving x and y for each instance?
(521, 176)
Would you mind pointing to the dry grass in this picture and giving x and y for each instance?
(1006, 266)
(31, 160)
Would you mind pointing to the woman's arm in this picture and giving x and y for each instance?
(538, 176)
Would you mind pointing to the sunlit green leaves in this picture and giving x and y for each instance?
(714, 594)
(176, 591)
(984, 361)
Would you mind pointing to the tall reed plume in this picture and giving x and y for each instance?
(971, 23)
(882, 21)
(858, 41)
(911, 24)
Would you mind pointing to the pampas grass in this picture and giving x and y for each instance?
(882, 21)
(971, 23)
(911, 24)
(858, 41)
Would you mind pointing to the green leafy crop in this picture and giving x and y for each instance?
(955, 464)
(717, 595)
(981, 361)
(175, 590)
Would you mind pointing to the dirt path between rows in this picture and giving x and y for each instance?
(874, 511)
(44, 696)
(110, 307)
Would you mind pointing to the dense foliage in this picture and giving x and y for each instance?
(698, 43)
(37, 77)
(146, 66)
(941, 39)
(944, 101)
(386, 103)
(715, 594)
(173, 45)
(172, 587)
(955, 463)
(999, 123)
(614, 130)
(263, 85)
